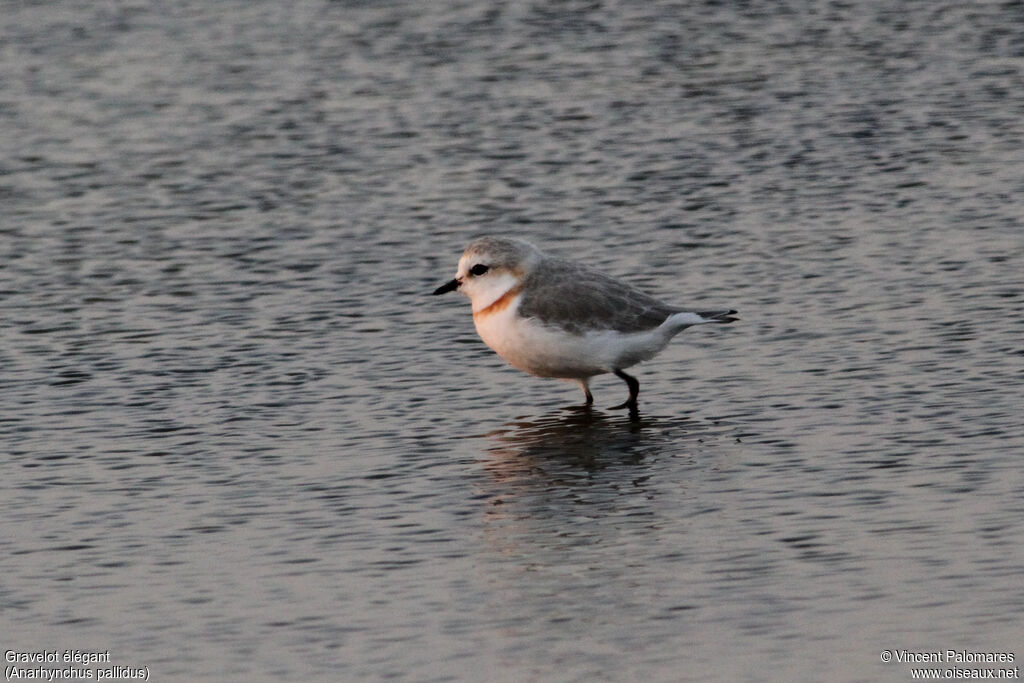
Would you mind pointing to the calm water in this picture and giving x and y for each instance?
(241, 441)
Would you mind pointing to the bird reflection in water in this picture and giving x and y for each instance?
(583, 439)
(575, 475)
(578, 445)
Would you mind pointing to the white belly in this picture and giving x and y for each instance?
(550, 352)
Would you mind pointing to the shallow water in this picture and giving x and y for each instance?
(242, 442)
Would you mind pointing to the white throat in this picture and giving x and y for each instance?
(483, 292)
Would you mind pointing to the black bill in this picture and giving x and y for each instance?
(447, 287)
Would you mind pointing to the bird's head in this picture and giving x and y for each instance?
(491, 267)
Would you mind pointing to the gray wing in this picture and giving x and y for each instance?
(571, 296)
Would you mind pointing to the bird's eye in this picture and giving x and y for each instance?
(478, 269)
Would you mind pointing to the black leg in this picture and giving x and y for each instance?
(634, 391)
(589, 397)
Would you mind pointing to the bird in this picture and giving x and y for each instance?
(554, 317)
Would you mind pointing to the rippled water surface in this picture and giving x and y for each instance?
(240, 441)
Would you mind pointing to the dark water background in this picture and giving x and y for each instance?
(240, 442)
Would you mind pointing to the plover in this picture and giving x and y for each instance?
(554, 317)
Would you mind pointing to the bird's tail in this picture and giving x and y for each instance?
(677, 322)
(717, 316)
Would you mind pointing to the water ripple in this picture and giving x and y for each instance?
(235, 420)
